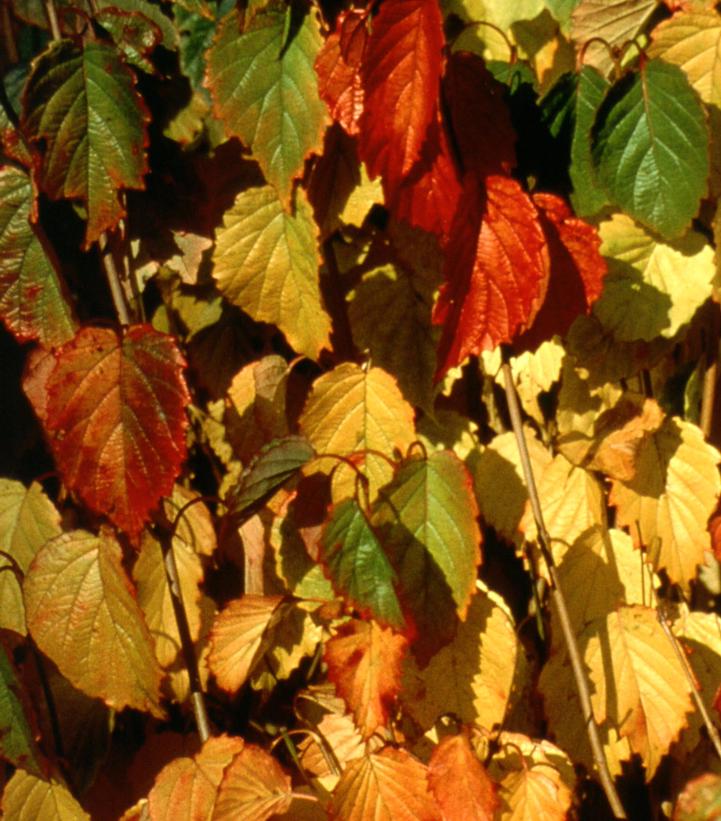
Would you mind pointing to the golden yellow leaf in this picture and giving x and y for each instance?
(668, 503)
(534, 372)
(29, 798)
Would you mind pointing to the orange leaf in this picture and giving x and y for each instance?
(364, 663)
(460, 782)
(386, 786)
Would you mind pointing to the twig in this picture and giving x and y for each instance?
(164, 532)
(52, 16)
(111, 274)
(710, 376)
(559, 600)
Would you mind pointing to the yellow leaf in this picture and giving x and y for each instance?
(671, 498)
(350, 410)
(473, 677)
(266, 262)
(29, 798)
(536, 779)
(652, 288)
(82, 612)
(534, 372)
(362, 198)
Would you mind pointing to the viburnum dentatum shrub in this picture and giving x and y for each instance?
(276, 539)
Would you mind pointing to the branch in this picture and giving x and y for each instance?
(559, 600)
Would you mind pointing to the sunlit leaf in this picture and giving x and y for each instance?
(81, 106)
(384, 786)
(82, 613)
(265, 90)
(33, 301)
(651, 147)
(17, 739)
(668, 503)
(266, 262)
(115, 418)
(364, 663)
(27, 797)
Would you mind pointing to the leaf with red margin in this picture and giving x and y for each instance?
(428, 197)
(115, 418)
(338, 66)
(401, 75)
(496, 270)
(577, 271)
(480, 118)
(364, 662)
(460, 783)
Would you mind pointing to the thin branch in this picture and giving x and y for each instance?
(710, 376)
(559, 600)
(8, 40)
(111, 274)
(52, 15)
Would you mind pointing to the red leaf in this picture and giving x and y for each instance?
(480, 118)
(364, 663)
(338, 68)
(496, 270)
(577, 271)
(115, 419)
(401, 74)
(428, 197)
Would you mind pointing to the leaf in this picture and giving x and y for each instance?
(700, 799)
(668, 503)
(427, 519)
(33, 300)
(254, 788)
(81, 106)
(266, 262)
(364, 662)
(358, 567)
(26, 796)
(401, 72)
(496, 270)
(265, 90)
(239, 638)
(651, 147)
(115, 419)
(652, 288)
(351, 410)
(275, 464)
(460, 783)
(17, 739)
(28, 519)
(385, 786)
(472, 677)
(187, 788)
(338, 66)
(82, 613)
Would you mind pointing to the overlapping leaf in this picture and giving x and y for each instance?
(82, 613)
(33, 300)
(264, 88)
(364, 663)
(651, 147)
(266, 262)
(81, 106)
(115, 419)
(28, 796)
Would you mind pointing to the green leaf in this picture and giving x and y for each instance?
(265, 90)
(266, 262)
(358, 567)
(26, 796)
(136, 10)
(651, 147)
(33, 303)
(82, 111)
(275, 464)
(17, 742)
(587, 197)
(28, 519)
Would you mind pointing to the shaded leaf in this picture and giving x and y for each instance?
(81, 106)
(669, 501)
(651, 147)
(358, 567)
(115, 418)
(700, 799)
(364, 663)
(460, 782)
(386, 786)
(401, 72)
(17, 739)
(28, 797)
(266, 262)
(265, 90)
(33, 300)
(82, 613)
